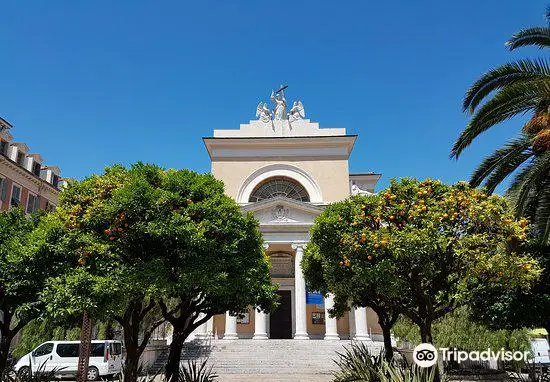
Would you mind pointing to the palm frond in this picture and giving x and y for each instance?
(542, 214)
(537, 36)
(504, 161)
(508, 102)
(525, 184)
(505, 75)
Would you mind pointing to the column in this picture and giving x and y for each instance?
(300, 295)
(210, 327)
(331, 327)
(361, 331)
(351, 323)
(200, 332)
(230, 327)
(260, 326)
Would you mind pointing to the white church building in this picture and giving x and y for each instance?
(285, 169)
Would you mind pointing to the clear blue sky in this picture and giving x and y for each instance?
(92, 83)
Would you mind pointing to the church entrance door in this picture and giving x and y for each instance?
(280, 326)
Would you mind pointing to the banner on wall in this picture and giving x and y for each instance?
(314, 298)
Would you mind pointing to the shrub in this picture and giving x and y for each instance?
(357, 364)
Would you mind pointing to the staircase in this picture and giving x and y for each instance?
(268, 357)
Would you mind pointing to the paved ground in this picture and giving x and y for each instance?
(274, 378)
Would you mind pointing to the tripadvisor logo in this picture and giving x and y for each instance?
(425, 355)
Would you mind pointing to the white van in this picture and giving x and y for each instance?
(62, 358)
(541, 351)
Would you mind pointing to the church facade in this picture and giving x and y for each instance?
(285, 169)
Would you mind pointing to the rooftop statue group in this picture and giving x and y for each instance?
(279, 109)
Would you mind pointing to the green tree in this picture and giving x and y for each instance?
(146, 239)
(513, 89)
(428, 247)
(26, 263)
(518, 308)
(349, 288)
(458, 330)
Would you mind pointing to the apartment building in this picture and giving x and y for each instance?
(24, 178)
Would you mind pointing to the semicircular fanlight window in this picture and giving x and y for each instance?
(279, 187)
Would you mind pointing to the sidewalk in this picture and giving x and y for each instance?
(274, 378)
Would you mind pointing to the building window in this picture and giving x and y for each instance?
(50, 207)
(20, 159)
(55, 181)
(279, 187)
(4, 147)
(15, 196)
(3, 189)
(33, 203)
(36, 168)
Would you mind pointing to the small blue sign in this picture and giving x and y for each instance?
(314, 298)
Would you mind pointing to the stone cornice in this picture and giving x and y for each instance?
(303, 206)
(262, 148)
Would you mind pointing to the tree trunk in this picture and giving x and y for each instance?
(110, 330)
(131, 343)
(6, 336)
(426, 337)
(386, 331)
(5, 342)
(131, 322)
(426, 332)
(131, 363)
(176, 347)
(546, 327)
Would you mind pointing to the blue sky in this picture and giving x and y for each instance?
(92, 83)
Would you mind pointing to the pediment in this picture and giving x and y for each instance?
(283, 211)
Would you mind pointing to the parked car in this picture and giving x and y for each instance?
(62, 358)
(541, 351)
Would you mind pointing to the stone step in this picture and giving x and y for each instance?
(268, 357)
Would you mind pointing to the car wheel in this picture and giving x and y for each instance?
(24, 372)
(93, 374)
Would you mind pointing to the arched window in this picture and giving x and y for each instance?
(279, 186)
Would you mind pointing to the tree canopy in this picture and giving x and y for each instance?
(423, 248)
(500, 308)
(27, 261)
(145, 237)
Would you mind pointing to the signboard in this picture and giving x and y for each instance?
(314, 298)
(318, 318)
(243, 318)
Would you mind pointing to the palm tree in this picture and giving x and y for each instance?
(513, 89)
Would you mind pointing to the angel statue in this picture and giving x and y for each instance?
(280, 104)
(263, 112)
(297, 111)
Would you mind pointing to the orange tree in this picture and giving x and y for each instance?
(327, 266)
(146, 239)
(424, 248)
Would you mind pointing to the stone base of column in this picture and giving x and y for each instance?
(363, 338)
(332, 337)
(301, 336)
(260, 336)
(230, 336)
